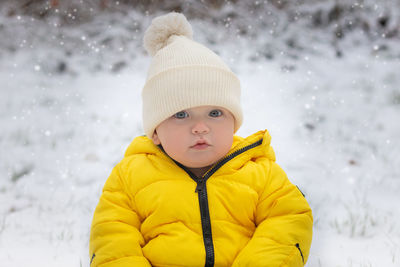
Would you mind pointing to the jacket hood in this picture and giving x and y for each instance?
(144, 145)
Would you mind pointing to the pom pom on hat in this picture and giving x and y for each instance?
(162, 28)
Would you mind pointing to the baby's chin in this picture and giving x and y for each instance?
(197, 165)
(201, 160)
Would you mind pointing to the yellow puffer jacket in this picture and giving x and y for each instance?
(243, 212)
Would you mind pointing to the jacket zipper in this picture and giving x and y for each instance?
(201, 190)
(91, 260)
(301, 253)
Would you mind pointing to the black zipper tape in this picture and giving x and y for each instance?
(91, 260)
(301, 253)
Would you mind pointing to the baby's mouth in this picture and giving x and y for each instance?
(201, 144)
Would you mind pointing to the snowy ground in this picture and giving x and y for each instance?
(334, 124)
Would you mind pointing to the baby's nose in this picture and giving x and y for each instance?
(200, 128)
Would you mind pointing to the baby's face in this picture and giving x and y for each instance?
(197, 137)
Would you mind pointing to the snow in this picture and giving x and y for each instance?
(334, 123)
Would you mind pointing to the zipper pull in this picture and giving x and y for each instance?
(200, 185)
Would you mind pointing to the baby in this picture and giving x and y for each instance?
(191, 192)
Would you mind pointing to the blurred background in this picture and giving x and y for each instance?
(322, 76)
(111, 31)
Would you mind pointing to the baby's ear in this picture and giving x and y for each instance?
(155, 138)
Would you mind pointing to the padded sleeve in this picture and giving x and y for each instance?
(284, 225)
(115, 237)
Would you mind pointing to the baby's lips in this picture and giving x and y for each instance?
(201, 142)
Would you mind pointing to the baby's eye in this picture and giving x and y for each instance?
(215, 113)
(181, 115)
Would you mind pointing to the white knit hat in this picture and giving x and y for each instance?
(184, 74)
